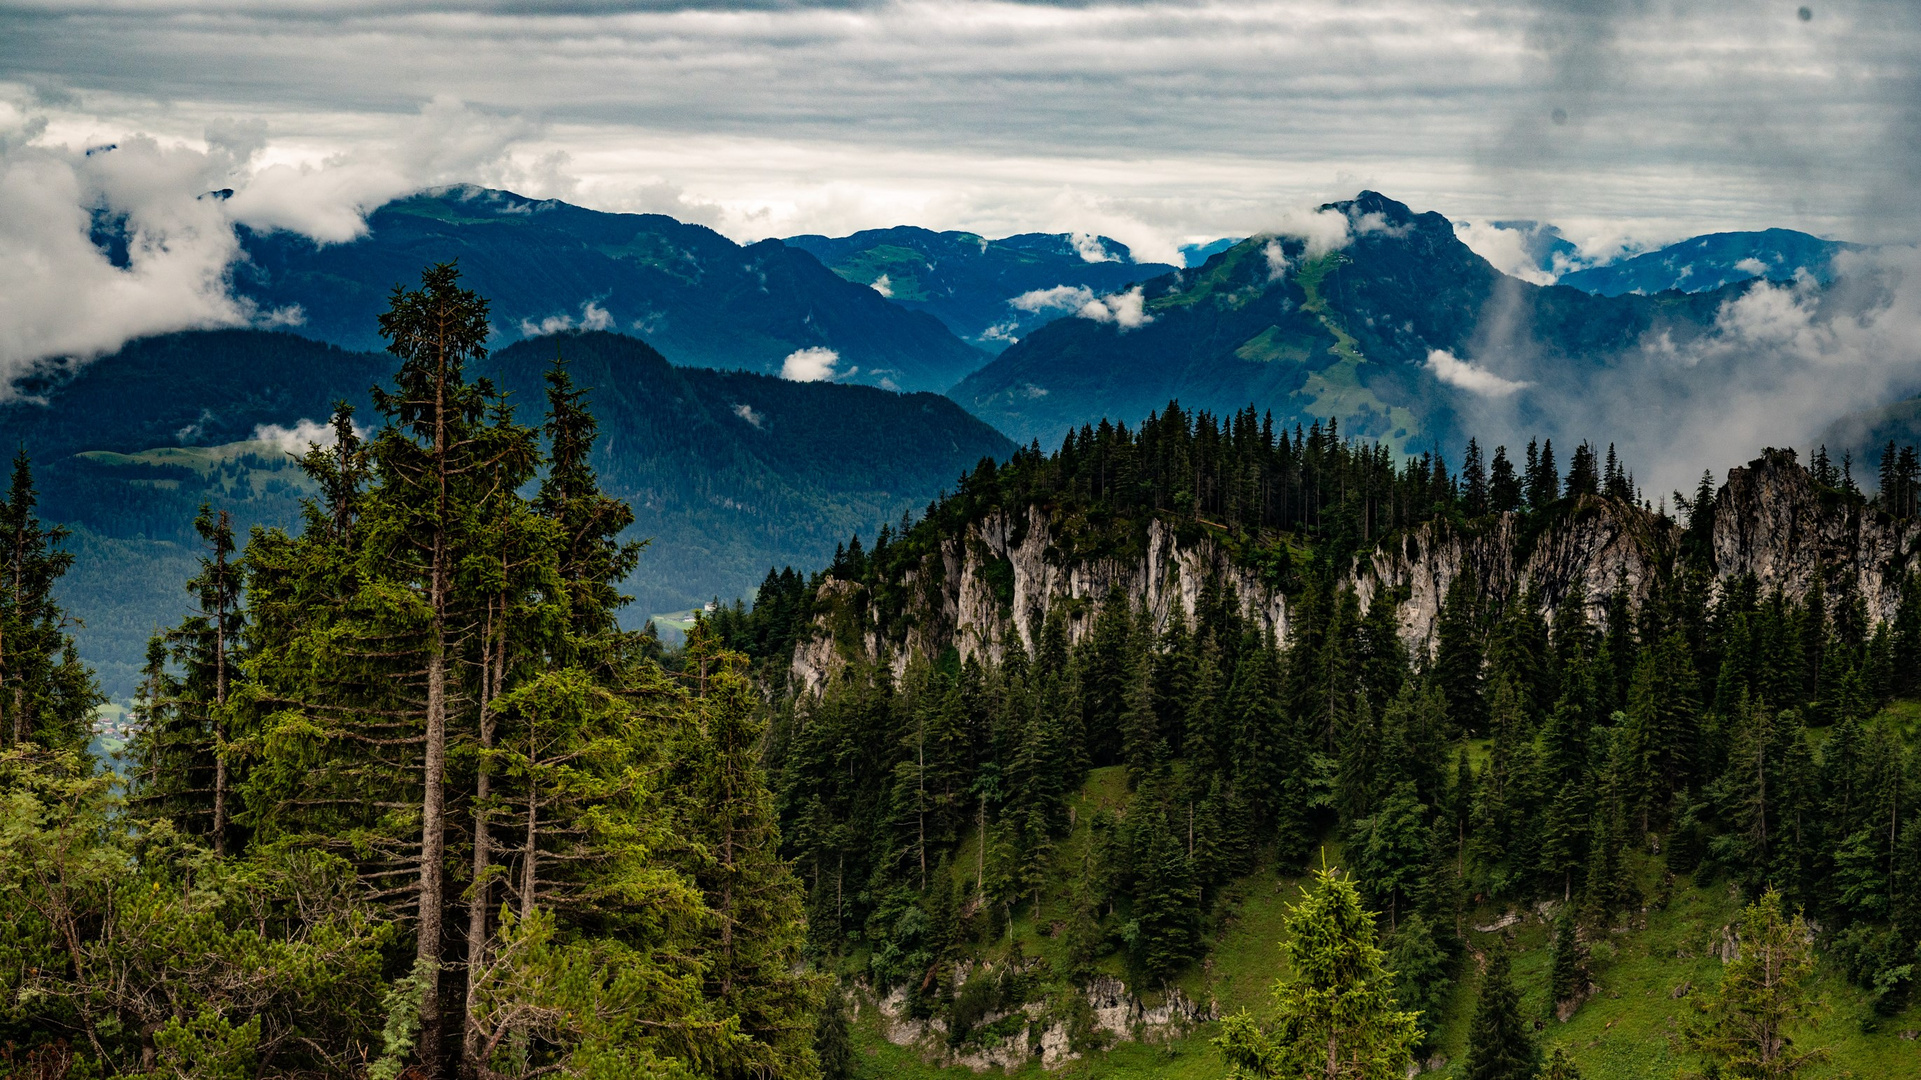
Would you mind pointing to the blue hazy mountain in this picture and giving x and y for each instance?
(1348, 335)
(1193, 255)
(1706, 263)
(703, 299)
(729, 472)
(990, 293)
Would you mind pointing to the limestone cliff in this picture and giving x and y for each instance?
(1770, 519)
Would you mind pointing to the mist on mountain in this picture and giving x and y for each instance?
(991, 293)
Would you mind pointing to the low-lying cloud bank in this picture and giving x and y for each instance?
(1780, 364)
(131, 237)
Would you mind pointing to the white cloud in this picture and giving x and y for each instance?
(1376, 222)
(1091, 249)
(302, 436)
(59, 293)
(1058, 298)
(1778, 366)
(1276, 260)
(883, 286)
(1000, 117)
(815, 364)
(1505, 249)
(592, 317)
(328, 199)
(1323, 230)
(748, 413)
(1126, 310)
(1752, 265)
(1463, 374)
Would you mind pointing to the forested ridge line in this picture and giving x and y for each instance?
(1681, 705)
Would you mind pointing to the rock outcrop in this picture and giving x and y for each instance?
(1769, 520)
(1113, 1015)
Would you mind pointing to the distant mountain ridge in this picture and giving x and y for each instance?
(548, 265)
(1709, 262)
(1349, 334)
(990, 293)
(729, 472)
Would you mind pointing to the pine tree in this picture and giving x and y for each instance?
(1503, 487)
(1458, 655)
(752, 953)
(1663, 729)
(181, 755)
(1422, 968)
(1567, 978)
(1394, 854)
(1166, 902)
(1498, 1044)
(1336, 1017)
(46, 695)
(434, 330)
(1143, 747)
(1749, 1028)
(1543, 478)
(1559, 1066)
(1583, 472)
(1474, 487)
(593, 560)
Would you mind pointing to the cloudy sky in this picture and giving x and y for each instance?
(1155, 122)
(1625, 122)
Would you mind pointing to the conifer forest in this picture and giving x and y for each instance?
(1204, 746)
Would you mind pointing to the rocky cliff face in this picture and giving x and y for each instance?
(1770, 520)
(1114, 1014)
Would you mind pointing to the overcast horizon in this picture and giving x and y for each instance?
(1626, 123)
(1157, 123)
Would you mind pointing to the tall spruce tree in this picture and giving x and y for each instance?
(1460, 653)
(47, 695)
(1498, 1044)
(1335, 1017)
(1749, 1029)
(182, 767)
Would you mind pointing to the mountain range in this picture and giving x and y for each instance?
(737, 470)
(1350, 333)
(700, 298)
(1706, 263)
(729, 473)
(991, 293)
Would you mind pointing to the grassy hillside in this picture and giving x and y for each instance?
(1629, 1029)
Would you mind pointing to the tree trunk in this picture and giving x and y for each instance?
(220, 702)
(529, 871)
(480, 903)
(433, 837)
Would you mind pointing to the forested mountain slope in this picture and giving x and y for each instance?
(1348, 333)
(727, 471)
(989, 292)
(700, 298)
(1070, 727)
